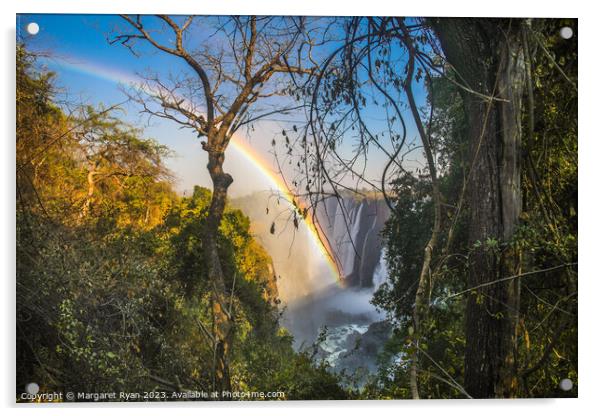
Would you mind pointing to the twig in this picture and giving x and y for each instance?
(503, 279)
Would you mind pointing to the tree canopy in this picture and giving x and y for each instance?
(123, 284)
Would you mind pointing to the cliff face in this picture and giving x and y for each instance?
(353, 227)
(286, 246)
(313, 300)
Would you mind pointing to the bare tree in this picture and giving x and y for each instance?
(232, 63)
(377, 65)
(360, 75)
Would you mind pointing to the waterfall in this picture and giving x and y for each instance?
(349, 252)
(353, 228)
(312, 299)
(381, 274)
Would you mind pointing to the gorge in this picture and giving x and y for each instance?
(333, 316)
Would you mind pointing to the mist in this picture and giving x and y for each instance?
(312, 298)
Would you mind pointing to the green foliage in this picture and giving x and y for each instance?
(406, 234)
(114, 297)
(547, 238)
(548, 234)
(112, 284)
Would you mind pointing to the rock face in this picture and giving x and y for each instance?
(355, 348)
(353, 227)
(354, 331)
(289, 248)
(346, 329)
(333, 307)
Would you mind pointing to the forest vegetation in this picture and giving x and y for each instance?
(123, 284)
(112, 291)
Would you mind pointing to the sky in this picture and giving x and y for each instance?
(89, 69)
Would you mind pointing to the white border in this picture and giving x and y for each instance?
(510, 8)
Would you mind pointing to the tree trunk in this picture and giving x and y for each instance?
(90, 194)
(222, 325)
(487, 57)
(424, 279)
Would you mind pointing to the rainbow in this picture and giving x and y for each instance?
(318, 239)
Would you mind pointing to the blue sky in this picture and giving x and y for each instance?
(82, 57)
(80, 41)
